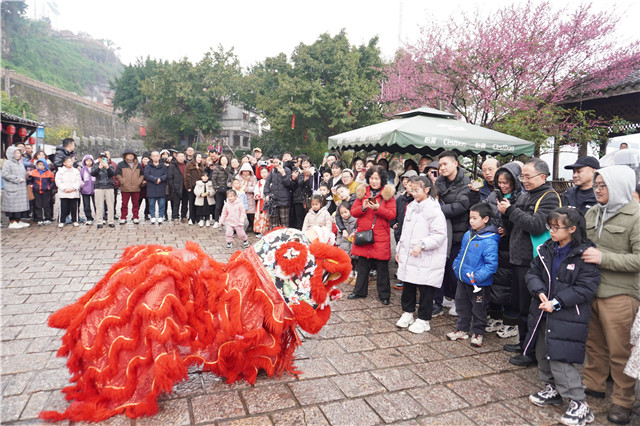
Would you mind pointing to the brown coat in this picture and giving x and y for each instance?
(130, 179)
(192, 174)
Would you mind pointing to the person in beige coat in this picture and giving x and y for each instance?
(317, 215)
(204, 200)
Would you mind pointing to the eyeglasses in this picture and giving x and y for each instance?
(599, 187)
(522, 178)
(556, 228)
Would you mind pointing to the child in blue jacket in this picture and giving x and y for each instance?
(474, 267)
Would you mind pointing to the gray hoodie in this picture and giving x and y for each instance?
(621, 182)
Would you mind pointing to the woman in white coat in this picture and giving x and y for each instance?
(421, 254)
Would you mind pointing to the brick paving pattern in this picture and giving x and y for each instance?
(360, 369)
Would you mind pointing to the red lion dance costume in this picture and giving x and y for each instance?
(158, 311)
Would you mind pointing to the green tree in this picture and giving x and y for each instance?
(330, 86)
(16, 107)
(179, 100)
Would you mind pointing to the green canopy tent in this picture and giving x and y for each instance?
(429, 131)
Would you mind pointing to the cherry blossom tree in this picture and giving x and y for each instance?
(485, 67)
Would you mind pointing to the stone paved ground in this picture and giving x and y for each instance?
(360, 369)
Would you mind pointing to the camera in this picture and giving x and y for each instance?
(262, 163)
(499, 195)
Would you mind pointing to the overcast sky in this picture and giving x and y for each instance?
(258, 29)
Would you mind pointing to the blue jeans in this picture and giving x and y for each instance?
(161, 206)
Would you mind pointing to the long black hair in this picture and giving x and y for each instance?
(570, 216)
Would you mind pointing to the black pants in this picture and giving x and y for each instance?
(179, 203)
(520, 300)
(250, 218)
(42, 206)
(220, 197)
(87, 201)
(192, 207)
(69, 206)
(362, 282)
(449, 281)
(425, 305)
(297, 216)
(471, 308)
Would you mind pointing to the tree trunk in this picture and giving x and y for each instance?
(556, 158)
(582, 149)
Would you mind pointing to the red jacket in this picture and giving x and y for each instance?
(381, 247)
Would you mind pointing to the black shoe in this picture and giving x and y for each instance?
(593, 393)
(398, 285)
(513, 347)
(437, 311)
(355, 296)
(619, 415)
(99, 226)
(385, 301)
(523, 360)
(112, 225)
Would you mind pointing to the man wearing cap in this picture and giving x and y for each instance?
(254, 160)
(581, 196)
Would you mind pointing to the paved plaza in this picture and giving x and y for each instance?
(360, 369)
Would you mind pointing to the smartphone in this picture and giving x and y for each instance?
(499, 195)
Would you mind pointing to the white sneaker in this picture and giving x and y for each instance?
(420, 326)
(15, 225)
(201, 223)
(123, 221)
(153, 220)
(207, 223)
(160, 220)
(60, 225)
(216, 225)
(458, 335)
(493, 325)
(190, 222)
(23, 224)
(136, 221)
(508, 331)
(448, 303)
(76, 224)
(89, 223)
(405, 320)
(453, 311)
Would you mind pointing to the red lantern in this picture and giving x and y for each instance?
(22, 132)
(11, 130)
(32, 140)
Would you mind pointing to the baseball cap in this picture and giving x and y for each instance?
(257, 149)
(409, 173)
(584, 161)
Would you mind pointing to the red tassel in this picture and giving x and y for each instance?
(293, 122)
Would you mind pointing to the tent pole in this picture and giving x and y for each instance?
(475, 166)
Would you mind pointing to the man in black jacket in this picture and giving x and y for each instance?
(277, 187)
(63, 151)
(178, 193)
(529, 217)
(582, 196)
(453, 189)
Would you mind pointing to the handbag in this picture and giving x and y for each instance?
(538, 240)
(364, 238)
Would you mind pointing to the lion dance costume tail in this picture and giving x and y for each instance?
(158, 311)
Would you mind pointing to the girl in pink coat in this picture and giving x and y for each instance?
(421, 254)
(232, 217)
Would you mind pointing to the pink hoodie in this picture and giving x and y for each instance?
(233, 214)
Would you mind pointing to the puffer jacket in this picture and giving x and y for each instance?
(381, 247)
(350, 226)
(104, 177)
(301, 189)
(88, 181)
(220, 177)
(526, 222)
(574, 287)
(454, 197)
(15, 198)
(478, 255)
(59, 156)
(68, 178)
(423, 223)
(202, 187)
(321, 218)
(41, 181)
(151, 174)
(278, 187)
(130, 179)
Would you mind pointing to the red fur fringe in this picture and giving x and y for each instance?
(159, 310)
